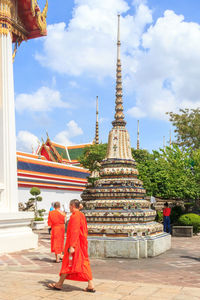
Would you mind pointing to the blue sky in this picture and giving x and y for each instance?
(57, 78)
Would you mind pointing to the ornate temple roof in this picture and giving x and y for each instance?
(32, 19)
(76, 151)
(23, 19)
(59, 153)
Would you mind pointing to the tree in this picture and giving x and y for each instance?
(171, 173)
(35, 192)
(93, 155)
(187, 127)
(168, 173)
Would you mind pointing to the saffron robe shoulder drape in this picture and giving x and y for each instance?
(77, 238)
(57, 222)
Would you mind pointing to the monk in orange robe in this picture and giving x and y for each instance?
(76, 265)
(56, 220)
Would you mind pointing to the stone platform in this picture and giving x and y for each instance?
(16, 233)
(132, 247)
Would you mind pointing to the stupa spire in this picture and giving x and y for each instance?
(114, 204)
(97, 122)
(119, 115)
(138, 135)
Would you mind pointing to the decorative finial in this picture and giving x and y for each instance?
(138, 135)
(119, 115)
(47, 135)
(97, 122)
(118, 39)
(42, 140)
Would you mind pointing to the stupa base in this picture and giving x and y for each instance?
(15, 232)
(133, 247)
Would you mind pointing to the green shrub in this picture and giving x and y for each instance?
(35, 191)
(39, 219)
(176, 212)
(190, 220)
(159, 217)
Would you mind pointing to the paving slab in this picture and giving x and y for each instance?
(24, 275)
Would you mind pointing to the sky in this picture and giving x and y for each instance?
(58, 77)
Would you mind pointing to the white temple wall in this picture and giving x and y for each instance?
(49, 196)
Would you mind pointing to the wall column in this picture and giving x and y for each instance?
(8, 164)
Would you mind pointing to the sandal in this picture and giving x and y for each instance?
(89, 290)
(53, 286)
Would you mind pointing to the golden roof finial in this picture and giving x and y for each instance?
(119, 115)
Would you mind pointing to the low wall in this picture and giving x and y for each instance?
(49, 196)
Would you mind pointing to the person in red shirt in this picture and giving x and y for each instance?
(166, 217)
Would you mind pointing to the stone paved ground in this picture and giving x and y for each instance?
(173, 275)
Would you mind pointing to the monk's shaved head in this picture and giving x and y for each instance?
(75, 203)
(57, 205)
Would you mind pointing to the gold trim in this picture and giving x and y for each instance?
(41, 17)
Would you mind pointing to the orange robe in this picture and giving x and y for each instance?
(77, 238)
(57, 222)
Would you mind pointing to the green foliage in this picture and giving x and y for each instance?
(190, 220)
(167, 173)
(93, 155)
(176, 212)
(39, 219)
(39, 213)
(159, 217)
(39, 198)
(170, 174)
(92, 180)
(35, 191)
(195, 162)
(187, 127)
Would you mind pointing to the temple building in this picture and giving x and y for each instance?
(120, 221)
(54, 169)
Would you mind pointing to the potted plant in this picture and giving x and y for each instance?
(38, 222)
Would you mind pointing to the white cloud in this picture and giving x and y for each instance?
(168, 69)
(88, 43)
(26, 141)
(161, 59)
(64, 137)
(44, 99)
(73, 84)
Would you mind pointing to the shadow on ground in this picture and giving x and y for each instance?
(191, 257)
(66, 287)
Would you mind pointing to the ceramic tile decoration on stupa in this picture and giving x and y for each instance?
(120, 221)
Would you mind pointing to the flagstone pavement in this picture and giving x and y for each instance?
(173, 275)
